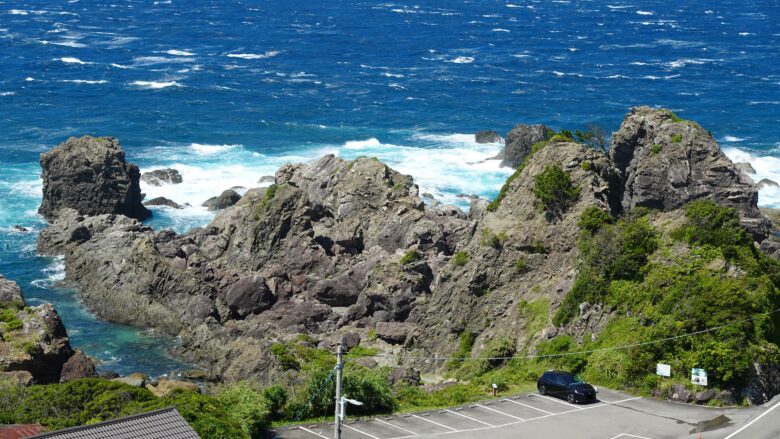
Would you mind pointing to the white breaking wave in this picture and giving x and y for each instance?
(66, 43)
(155, 85)
(205, 149)
(362, 144)
(732, 139)
(175, 52)
(645, 13)
(462, 60)
(269, 54)
(85, 81)
(766, 167)
(7, 93)
(72, 60)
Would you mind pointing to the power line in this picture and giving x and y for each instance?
(564, 354)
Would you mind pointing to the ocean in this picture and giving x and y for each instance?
(227, 91)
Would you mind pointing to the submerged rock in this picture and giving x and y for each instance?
(487, 136)
(162, 201)
(765, 183)
(90, 175)
(159, 177)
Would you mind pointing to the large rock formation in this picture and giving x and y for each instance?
(338, 247)
(90, 175)
(34, 346)
(519, 142)
(666, 162)
(159, 177)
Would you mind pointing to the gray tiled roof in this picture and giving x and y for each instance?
(166, 423)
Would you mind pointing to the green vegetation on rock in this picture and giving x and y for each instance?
(410, 257)
(554, 189)
(460, 258)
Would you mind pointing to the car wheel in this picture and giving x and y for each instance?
(542, 390)
(570, 398)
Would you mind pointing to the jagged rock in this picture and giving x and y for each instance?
(34, 340)
(704, 396)
(159, 177)
(78, 366)
(763, 383)
(162, 201)
(392, 332)
(249, 295)
(487, 136)
(679, 393)
(224, 200)
(163, 387)
(350, 340)
(90, 175)
(765, 183)
(519, 141)
(405, 375)
(665, 163)
(10, 293)
(200, 309)
(771, 246)
(20, 377)
(19, 228)
(745, 168)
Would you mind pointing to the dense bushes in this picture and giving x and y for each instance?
(554, 189)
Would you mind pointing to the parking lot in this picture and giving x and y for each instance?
(614, 416)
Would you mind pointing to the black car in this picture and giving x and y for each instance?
(566, 385)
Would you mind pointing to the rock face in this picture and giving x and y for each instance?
(519, 141)
(159, 177)
(765, 183)
(225, 199)
(341, 247)
(666, 162)
(32, 339)
(487, 136)
(745, 168)
(90, 175)
(78, 366)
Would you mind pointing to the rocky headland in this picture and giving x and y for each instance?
(347, 250)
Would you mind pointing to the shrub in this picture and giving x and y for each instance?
(465, 343)
(521, 266)
(708, 223)
(657, 148)
(593, 218)
(460, 258)
(410, 257)
(247, 407)
(585, 165)
(535, 313)
(276, 398)
(677, 138)
(270, 193)
(555, 190)
(285, 358)
(495, 240)
(9, 320)
(536, 147)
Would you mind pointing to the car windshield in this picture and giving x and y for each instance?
(571, 379)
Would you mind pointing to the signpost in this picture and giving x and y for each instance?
(664, 370)
(699, 376)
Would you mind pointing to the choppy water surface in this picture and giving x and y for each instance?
(227, 91)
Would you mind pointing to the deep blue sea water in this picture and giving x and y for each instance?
(227, 91)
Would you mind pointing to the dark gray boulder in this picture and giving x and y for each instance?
(162, 201)
(159, 177)
(249, 295)
(350, 340)
(90, 175)
(519, 142)
(10, 293)
(487, 136)
(405, 375)
(78, 366)
(392, 332)
(224, 200)
(666, 163)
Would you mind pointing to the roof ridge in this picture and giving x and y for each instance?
(109, 422)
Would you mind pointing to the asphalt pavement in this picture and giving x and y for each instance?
(615, 415)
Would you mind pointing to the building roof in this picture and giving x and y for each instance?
(165, 423)
(18, 431)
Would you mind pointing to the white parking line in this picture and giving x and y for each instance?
(309, 431)
(434, 422)
(526, 405)
(500, 412)
(396, 427)
(753, 421)
(556, 400)
(473, 419)
(361, 432)
(629, 435)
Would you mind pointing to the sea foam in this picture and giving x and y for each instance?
(766, 167)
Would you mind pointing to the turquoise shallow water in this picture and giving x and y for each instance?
(227, 91)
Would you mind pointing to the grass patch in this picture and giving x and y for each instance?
(677, 138)
(410, 256)
(460, 258)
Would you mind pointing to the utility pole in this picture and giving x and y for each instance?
(339, 402)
